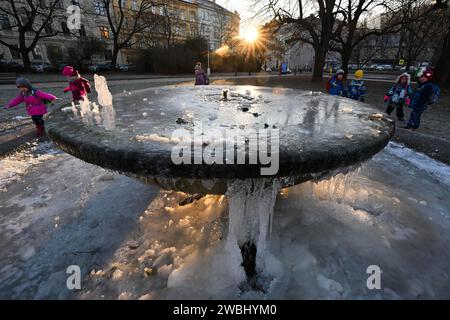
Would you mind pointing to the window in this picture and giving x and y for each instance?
(104, 31)
(82, 31)
(100, 9)
(64, 28)
(48, 28)
(4, 21)
(23, 20)
(59, 5)
(126, 23)
(134, 5)
(37, 54)
(108, 54)
(140, 42)
(15, 54)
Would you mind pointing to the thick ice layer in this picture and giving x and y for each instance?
(317, 134)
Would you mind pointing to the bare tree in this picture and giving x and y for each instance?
(421, 29)
(127, 22)
(223, 27)
(442, 60)
(366, 49)
(32, 20)
(315, 24)
(168, 23)
(84, 49)
(353, 32)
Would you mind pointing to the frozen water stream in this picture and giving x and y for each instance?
(251, 203)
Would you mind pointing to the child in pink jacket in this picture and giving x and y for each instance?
(34, 100)
(79, 86)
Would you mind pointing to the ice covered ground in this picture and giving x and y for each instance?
(134, 241)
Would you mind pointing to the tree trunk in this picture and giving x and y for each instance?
(319, 62)
(442, 75)
(115, 54)
(345, 57)
(24, 52)
(26, 60)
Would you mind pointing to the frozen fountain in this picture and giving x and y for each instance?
(245, 142)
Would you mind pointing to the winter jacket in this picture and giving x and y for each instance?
(337, 87)
(34, 102)
(80, 87)
(399, 93)
(201, 78)
(422, 95)
(357, 89)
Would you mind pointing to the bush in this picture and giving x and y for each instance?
(179, 58)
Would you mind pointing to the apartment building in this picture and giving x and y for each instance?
(174, 21)
(58, 48)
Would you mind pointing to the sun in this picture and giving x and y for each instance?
(251, 34)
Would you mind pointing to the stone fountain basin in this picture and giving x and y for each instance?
(318, 133)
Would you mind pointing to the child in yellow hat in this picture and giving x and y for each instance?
(357, 87)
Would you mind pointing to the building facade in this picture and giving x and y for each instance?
(216, 24)
(174, 21)
(59, 48)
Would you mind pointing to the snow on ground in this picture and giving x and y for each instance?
(134, 241)
(19, 163)
(434, 168)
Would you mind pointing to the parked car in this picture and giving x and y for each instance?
(10, 66)
(125, 67)
(411, 69)
(3, 64)
(40, 67)
(384, 67)
(97, 67)
(352, 66)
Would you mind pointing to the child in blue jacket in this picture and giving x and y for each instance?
(335, 85)
(420, 99)
(357, 87)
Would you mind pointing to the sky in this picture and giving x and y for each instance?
(247, 13)
(242, 7)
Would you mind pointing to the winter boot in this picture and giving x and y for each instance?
(40, 130)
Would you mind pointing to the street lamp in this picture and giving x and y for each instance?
(208, 70)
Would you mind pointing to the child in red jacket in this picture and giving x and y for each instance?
(34, 100)
(79, 86)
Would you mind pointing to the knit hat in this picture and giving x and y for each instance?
(359, 74)
(428, 74)
(340, 71)
(406, 74)
(22, 82)
(69, 71)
